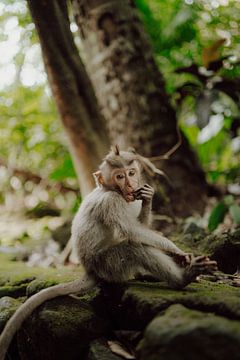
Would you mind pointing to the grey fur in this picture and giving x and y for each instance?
(113, 245)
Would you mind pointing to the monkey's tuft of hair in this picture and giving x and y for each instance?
(116, 149)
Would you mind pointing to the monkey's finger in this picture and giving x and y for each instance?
(138, 196)
(189, 257)
(206, 263)
(198, 259)
(208, 270)
(204, 268)
(141, 193)
(146, 193)
(148, 188)
(138, 190)
(146, 196)
(147, 185)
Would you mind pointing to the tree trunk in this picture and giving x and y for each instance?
(130, 91)
(72, 90)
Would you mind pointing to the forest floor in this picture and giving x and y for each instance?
(139, 319)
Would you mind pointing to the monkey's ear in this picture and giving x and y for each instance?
(132, 150)
(116, 149)
(98, 178)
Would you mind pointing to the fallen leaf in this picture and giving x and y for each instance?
(118, 349)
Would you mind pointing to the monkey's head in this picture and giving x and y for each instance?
(120, 171)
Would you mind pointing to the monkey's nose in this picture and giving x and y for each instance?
(129, 187)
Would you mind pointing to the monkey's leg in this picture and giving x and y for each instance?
(165, 268)
(124, 260)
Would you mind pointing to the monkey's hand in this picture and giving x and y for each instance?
(182, 260)
(144, 193)
(199, 265)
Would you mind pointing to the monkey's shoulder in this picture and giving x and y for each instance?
(102, 201)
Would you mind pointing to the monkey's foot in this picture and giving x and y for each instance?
(182, 260)
(199, 265)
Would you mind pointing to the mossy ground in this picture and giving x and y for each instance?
(104, 310)
(204, 295)
(15, 273)
(17, 279)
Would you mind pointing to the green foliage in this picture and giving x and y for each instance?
(217, 215)
(64, 170)
(234, 210)
(227, 206)
(186, 36)
(31, 135)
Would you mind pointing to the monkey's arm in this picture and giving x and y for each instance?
(114, 213)
(149, 237)
(145, 214)
(145, 194)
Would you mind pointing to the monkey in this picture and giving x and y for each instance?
(112, 238)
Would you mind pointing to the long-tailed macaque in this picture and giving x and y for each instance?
(111, 237)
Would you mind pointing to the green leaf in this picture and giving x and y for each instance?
(235, 213)
(217, 215)
(64, 171)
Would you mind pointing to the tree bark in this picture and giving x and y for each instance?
(71, 88)
(132, 97)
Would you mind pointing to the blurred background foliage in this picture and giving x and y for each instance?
(196, 46)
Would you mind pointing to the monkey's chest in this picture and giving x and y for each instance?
(135, 208)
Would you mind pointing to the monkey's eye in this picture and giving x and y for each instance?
(132, 173)
(120, 176)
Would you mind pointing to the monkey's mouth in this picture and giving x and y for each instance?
(129, 197)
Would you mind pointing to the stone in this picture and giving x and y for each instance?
(14, 291)
(185, 334)
(135, 305)
(61, 328)
(225, 249)
(8, 306)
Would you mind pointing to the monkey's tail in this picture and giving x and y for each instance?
(24, 311)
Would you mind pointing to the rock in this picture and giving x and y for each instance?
(14, 291)
(192, 228)
(8, 306)
(225, 249)
(185, 334)
(60, 329)
(62, 234)
(37, 285)
(135, 305)
(77, 328)
(99, 350)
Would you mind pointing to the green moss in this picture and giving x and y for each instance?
(183, 334)
(64, 326)
(8, 306)
(14, 291)
(146, 300)
(15, 276)
(37, 285)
